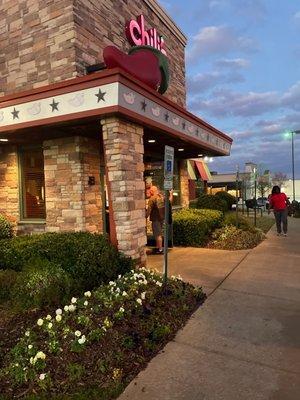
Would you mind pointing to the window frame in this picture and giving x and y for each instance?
(21, 151)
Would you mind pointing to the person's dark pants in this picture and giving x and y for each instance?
(281, 219)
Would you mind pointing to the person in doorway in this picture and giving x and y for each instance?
(151, 189)
(279, 203)
(156, 212)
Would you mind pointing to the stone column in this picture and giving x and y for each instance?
(123, 151)
(72, 204)
(9, 183)
(184, 183)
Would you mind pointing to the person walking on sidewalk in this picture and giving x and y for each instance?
(279, 203)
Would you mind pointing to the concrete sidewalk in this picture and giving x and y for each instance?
(244, 343)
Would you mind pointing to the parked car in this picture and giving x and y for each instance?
(263, 202)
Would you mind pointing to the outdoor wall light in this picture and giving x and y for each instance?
(151, 141)
(200, 155)
(3, 140)
(180, 149)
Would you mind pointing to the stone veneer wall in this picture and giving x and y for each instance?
(71, 203)
(48, 41)
(37, 43)
(184, 183)
(102, 23)
(9, 181)
(124, 150)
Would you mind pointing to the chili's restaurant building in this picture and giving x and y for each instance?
(84, 119)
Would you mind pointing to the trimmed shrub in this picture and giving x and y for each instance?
(8, 279)
(212, 202)
(6, 228)
(191, 227)
(41, 283)
(232, 238)
(230, 200)
(88, 258)
(243, 223)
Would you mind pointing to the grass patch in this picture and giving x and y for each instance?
(264, 223)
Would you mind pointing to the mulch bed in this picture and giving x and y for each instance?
(105, 367)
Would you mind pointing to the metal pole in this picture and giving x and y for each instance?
(237, 196)
(166, 237)
(255, 200)
(293, 165)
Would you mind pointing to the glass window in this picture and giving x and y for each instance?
(33, 184)
(155, 171)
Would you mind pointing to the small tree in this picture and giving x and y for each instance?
(263, 184)
(279, 179)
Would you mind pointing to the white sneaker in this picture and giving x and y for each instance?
(285, 234)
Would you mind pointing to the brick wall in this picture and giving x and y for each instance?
(71, 203)
(102, 23)
(37, 43)
(124, 150)
(9, 190)
(47, 41)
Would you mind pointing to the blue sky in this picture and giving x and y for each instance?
(243, 75)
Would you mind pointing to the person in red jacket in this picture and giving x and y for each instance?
(279, 203)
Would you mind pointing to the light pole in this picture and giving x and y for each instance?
(255, 203)
(292, 133)
(237, 195)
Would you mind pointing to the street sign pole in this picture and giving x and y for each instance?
(168, 185)
(166, 237)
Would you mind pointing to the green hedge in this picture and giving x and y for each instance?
(231, 238)
(8, 279)
(191, 227)
(88, 258)
(209, 201)
(41, 283)
(6, 228)
(230, 200)
(242, 223)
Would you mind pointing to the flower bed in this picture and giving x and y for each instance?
(95, 345)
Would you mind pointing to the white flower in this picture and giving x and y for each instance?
(48, 318)
(82, 339)
(27, 333)
(77, 333)
(40, 322)
(58, 311)
(121, 309)
(145, 282)
(58, 318)
(42, 377)
(139, 301)
(30, 346)
(118, 290)
(88, 294)
(143, 295)
(72, 308)
(124, 293)
(158, 283)
(66, 308)
(50, 325)
(73, 300)
(32, 361)
(40, 355)
(86, 303)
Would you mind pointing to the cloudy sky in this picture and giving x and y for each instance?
(243, 75)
